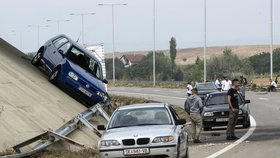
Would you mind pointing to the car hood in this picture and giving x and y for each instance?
(223, 107)
(96, 83)
(139, 131)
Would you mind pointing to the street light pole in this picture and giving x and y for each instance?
(82, 17)
(154, 42)
(271, 39)
(113, 34)
(204, 51)
(58, 22)
(38, 32)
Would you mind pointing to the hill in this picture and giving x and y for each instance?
(190, 54)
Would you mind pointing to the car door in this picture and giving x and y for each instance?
(180, 131)
(53, 53)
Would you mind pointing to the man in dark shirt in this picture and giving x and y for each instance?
(232, 99)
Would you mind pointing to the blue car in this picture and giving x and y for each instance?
(71, 66)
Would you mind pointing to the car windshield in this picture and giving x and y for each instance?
(206, 86)
(219, 99)
(85, 62)
(140, 117)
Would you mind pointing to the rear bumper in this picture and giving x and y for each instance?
(167, 151)
(209, 122)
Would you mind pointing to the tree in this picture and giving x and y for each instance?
(173, 53)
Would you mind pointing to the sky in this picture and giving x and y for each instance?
(229, 22)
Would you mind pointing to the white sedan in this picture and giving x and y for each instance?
(144, 130)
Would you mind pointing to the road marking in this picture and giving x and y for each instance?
(263, 98)
(156, 90)
(243, 138)
(151, 95)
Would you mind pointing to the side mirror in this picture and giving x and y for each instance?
(247, 101)
(101, 127)
(181, 122)
(105, 81)
(61, 52)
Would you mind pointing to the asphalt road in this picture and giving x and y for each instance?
(263, 143)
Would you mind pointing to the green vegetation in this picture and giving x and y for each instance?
(173, 53)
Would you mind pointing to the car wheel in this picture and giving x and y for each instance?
(187, 151)
(178, 148)
(207, 128)
(37, 58)
(248, 123)
(54, 75)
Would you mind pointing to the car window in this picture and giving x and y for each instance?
(206, 86)
(59, 42)
(140, 117)
(220, 99)
(174, 114)
(65, 47)
(85, 62)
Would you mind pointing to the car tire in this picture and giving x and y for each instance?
(248, 123)
(187, 150)
(178, 148)
(37, 58)
(54, 75)
(207, 128)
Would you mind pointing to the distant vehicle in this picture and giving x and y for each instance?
(144, 130)
(70, 65)
(216, 111)
(205, 88)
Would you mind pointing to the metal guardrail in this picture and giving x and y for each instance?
(48, 138)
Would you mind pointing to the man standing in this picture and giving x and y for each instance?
(218, 84)
(194, 106)
(232, 99)
(226, 84)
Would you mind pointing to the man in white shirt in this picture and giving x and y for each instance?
(272, 85)
(226, 84)
(189, 89)
(217, 83)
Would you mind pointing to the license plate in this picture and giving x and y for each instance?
(85, 92)
(221, 119)
(139, 151)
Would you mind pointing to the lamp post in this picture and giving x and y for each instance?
(38, 32)
(112, 5)
(271, 39)
(154, 42)
(20, 37)
(204, 50)
(82, 16)
(58, 22)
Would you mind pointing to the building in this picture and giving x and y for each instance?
(131, 59)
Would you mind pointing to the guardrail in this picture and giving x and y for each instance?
(48, 138)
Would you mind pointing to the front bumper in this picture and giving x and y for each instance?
(90, 97)
(165, 151)
(209, 122)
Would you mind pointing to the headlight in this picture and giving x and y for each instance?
(240, 112)
(109, 143)
(208, 114)
(73, 76)
(163, 139)
(100, 94)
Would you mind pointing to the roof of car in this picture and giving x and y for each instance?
(219, 92)
(145, 105)
(76, 44)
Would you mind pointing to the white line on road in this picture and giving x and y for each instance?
(243, 138)
(263, 98)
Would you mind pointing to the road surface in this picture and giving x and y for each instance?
(265, 109)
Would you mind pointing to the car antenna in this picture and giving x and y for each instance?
(79, 37)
